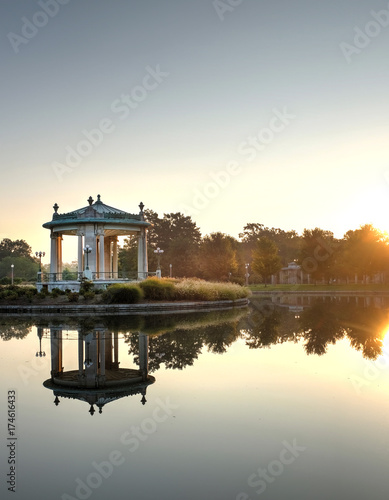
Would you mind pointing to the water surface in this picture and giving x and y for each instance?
(288, 399)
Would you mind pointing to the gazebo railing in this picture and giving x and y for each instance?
(120, 275)
(106, 276)
(64, 276)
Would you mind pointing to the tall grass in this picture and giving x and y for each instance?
(191, 289)
(158, 289)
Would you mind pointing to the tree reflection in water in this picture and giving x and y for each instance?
(177, 340)
(320, 324)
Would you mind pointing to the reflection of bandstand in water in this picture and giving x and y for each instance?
(99, 379)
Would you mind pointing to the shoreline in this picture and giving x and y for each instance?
(321, 292)
(153, 307)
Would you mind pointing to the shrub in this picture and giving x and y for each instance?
(73, 296)
(89, 295)
(157, 289)
(86, 286)
(122, 294)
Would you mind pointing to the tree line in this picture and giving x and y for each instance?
(361, 255)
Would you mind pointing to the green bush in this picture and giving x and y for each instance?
(89, 295)
(158, 289)
(86, 286)
(122, 294)
(73, 296)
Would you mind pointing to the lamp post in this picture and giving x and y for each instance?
(40, 255)
(87, 250)
(247, 275)
(159, 251)
(12, 274)
(88, 362)
(40, 335)
(171, 270)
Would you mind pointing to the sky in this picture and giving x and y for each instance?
(230, 111)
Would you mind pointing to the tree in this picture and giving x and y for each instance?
(317, 253)
(365, 251)
(179, 238)
(218, 257)
(24, 268)
(266, 260)
(128, 257)
(287, 241)
(17, 248)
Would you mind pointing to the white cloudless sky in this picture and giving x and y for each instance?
(228, 68)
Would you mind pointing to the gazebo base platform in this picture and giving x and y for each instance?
(74, 286)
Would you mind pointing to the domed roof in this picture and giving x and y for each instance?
(96, 210)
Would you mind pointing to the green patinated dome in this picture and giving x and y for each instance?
(96, 212)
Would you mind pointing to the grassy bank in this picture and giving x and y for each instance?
(321, 288)
(150, 290)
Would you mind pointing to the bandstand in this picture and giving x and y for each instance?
(97, 227)
(98, 379)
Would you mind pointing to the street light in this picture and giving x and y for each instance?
(40, 255)
(12, 274)
(88, 362)
(158, 251)
(247, 275)
(40, 335)
(87, 250)
(171, 270)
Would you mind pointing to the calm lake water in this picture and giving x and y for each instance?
(287, 399)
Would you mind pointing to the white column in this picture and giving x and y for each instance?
(143, 355)
(107, 257)
(59, 253)
(102, 355)
(56, 352)
(80, 254)
(115, 257)
(142, 254)
(80, 354)
(101, 257)
(53, 253)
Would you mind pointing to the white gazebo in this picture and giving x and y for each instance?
(97, 227)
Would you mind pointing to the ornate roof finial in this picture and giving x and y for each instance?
(91, 410)
(141, 206)
(98, 199)
(56, 401)
(90, 200)
(56, 207)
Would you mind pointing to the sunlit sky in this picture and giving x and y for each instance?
(180, 89)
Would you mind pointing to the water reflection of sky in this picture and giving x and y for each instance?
(232, 412)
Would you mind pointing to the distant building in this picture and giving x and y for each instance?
(291, 275)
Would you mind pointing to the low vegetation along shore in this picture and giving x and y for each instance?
(150, 290)
(373, 287)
